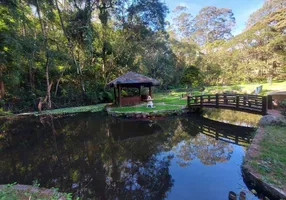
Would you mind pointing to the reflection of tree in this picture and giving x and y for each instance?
(233, 117)
(107, 158)
(194, 144)
(207, 149)
(80, 155)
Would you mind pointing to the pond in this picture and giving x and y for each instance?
(95, 156)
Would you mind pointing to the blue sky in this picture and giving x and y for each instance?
(241, 8)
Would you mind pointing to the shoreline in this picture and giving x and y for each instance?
(250, 174)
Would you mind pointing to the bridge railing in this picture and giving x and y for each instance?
(243, 102)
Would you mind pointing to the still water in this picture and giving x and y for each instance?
(95, 156)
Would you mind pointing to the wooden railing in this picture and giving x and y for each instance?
(242, 102)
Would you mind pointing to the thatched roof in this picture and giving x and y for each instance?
(132, 78)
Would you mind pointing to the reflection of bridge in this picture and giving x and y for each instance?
(123, 129)
(241, 102)
(230, 133)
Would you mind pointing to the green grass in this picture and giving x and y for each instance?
(248, 88)
(92, 108)
(143, 108)
(271, 162)
(172, 98)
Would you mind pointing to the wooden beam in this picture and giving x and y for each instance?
(270, 104)
(150, 91)
(114, 92)
(264, 105)
(119, 95)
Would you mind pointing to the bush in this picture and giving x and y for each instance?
(236, 87)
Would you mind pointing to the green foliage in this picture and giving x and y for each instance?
(10, 192)
(64, 54)
(192, 77)
(267, 8)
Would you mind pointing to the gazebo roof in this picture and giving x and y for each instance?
(132, 78)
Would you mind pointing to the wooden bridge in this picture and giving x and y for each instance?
(242, 102)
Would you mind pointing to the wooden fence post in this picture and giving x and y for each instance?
(216, 100)
(270, 104)
(201, 101)
(264, 105)
(224, 99)
(188, 101)
(237, 101)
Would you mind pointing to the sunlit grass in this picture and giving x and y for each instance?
(249, 88)
(143, 108)
(271, 161)
(91, 108)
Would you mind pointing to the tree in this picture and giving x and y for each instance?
(269, 6)
(213, 24)
(182, 23)
(192, 77)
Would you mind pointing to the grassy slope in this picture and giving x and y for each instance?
(271, 162)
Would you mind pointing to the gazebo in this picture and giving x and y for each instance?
(132, 80)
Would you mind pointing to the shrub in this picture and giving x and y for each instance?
(236, 87)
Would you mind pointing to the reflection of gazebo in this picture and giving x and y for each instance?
(132, 80)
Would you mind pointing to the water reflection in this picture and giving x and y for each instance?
(95, 156)
(233, 117)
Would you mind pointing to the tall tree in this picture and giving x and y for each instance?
(182, 22)
(269, 6)
(213, 24)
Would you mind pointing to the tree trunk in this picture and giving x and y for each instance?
(48, 90)
(48, 84)
(2, 89)
(58, 83)
(71, 48)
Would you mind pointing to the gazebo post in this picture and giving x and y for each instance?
(150, 91)
(114, 90)
(119, 94)
(139, 88)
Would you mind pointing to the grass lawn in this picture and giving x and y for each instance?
(143, 108)
(266, 87)
(91, 108)
(271, 162)
(172, 98)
